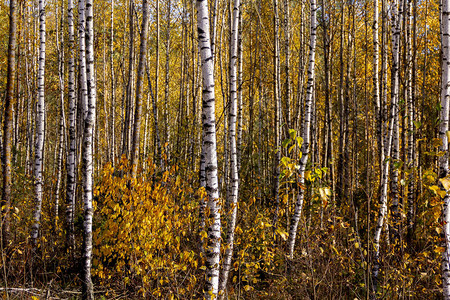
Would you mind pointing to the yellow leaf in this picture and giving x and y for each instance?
(335, 250)
(308, 175)
(445, 183)
(439, 249)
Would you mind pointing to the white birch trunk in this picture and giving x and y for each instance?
(209, 151)
(89, 122)
(306, 132)
(239, 97)
(167, 128)
(62, 127)
(113, 87)
(40, 124)
(277, 100)
(376, 86)
(411, 139)
(233, 195)
(71, 155)
(287, 53)
(391, 142)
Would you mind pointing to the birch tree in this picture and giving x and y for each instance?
(126, 136)
(277, 102)
(89, 122)
(40, 126)
(113, 87)
(390, 142)
(139, 83)
(231, 201)
(209, 152)
(71, 154)
(306, 131)
(7, 127)
(62, 117)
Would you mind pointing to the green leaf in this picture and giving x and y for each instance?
(299, 141)
(286, 142)
(285, 160)
(292, 133)
(318, 172)
(417, 124)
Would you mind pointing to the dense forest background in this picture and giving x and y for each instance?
(281, 149)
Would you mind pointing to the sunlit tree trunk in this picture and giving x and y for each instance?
(376, 85)
(40, 123)
(231, 201)
(113, 90)
(71, 154)
(166, 85)
(306, 132)
(89, 122)
(390, 146)
(129, 87)
(287, 65)
(277, 102)
(62, 117)
(139, 84)
(395, 147)
(209, 151)
(340, 189)
(410, 134)
(7, 127)
(239, 95)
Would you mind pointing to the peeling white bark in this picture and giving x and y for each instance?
(40, 128)
(209, 151)
(306, 134)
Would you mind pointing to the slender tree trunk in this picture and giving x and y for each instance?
(7, 127)
(62, 122)
(155, 107)
(166, 85)
(395, 147)
(410, 133)
(342, 130)
(40, 123)
(82, 83)
(231, 202)
(209, 151)
(71, 155)
(214, 29)
(129, 97)
(139, 84)
(239, 95)
(113, 90)
(277, 101)
(376, 85)
(155, 121)
(89, 123)
(390, 146)
(306, 133)
(287, 65)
